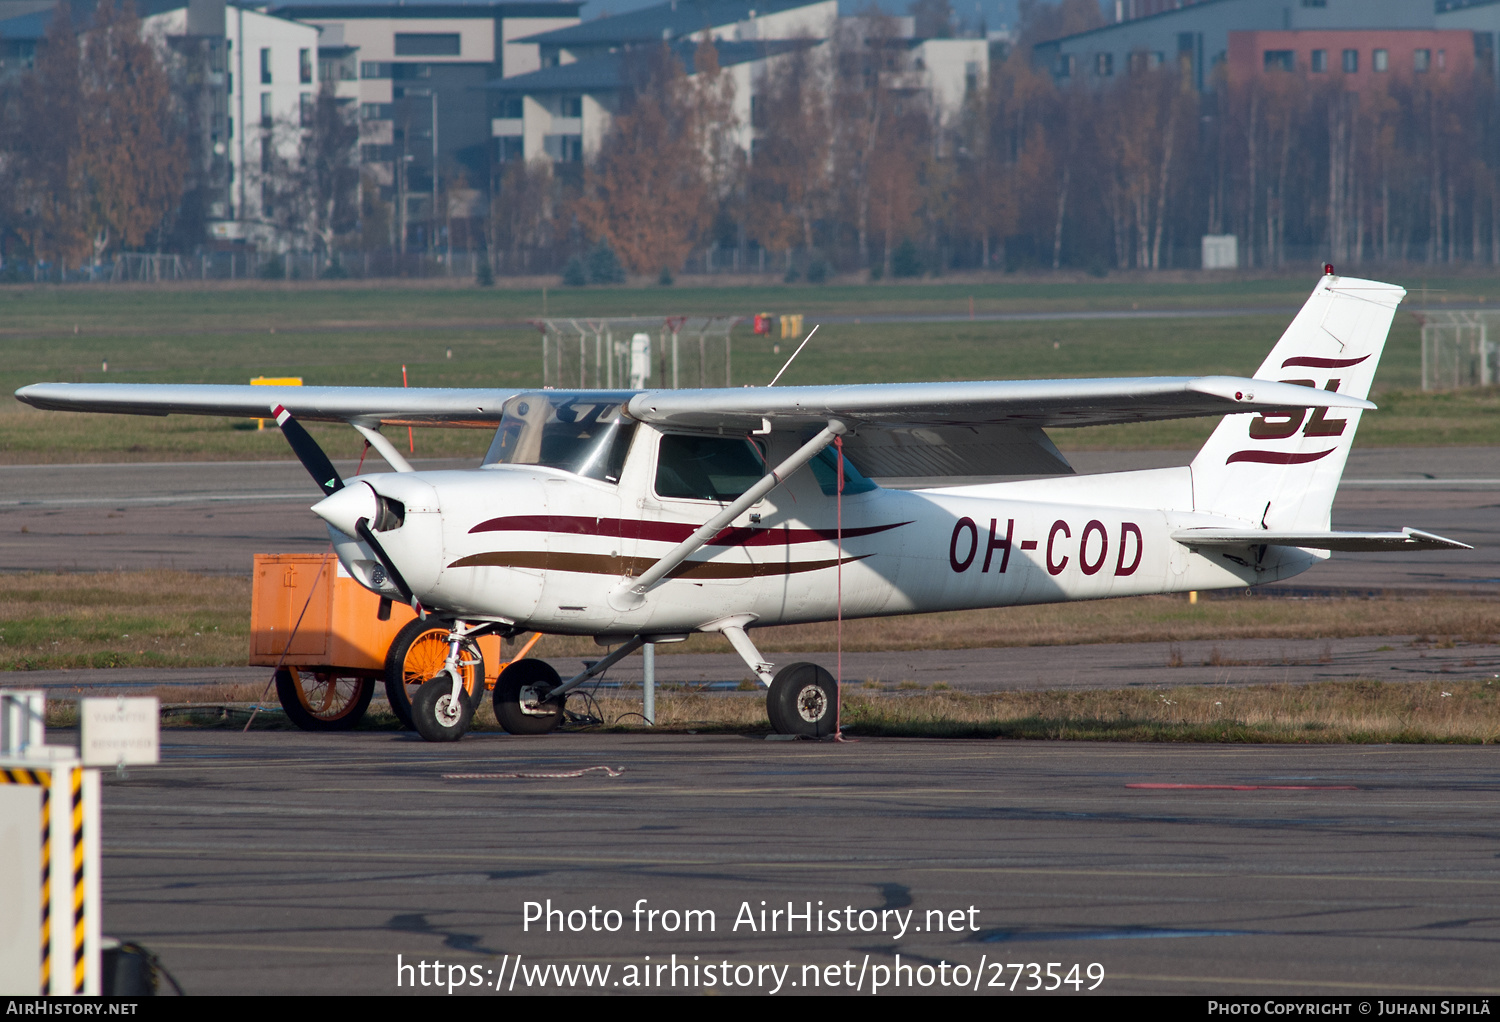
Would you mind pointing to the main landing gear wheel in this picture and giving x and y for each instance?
(417, 655)
(436, 715)
(517, 707)
(322, 699)
(803, 700)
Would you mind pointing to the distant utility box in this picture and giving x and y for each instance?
(640, 361)
(1221, 252)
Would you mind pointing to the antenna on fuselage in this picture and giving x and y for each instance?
(795, 353)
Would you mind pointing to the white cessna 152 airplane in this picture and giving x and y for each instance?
(644, 516)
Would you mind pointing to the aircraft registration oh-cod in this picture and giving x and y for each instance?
(645, 516)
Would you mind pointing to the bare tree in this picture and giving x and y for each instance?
(45, 153)
(880, 129)
(522, 212)
(132, 167)
(648, 193)
(788, 177)
(327, 172)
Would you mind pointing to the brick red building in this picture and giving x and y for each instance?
(1357, 59)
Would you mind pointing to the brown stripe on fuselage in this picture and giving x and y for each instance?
(670, 532)
(604, 564)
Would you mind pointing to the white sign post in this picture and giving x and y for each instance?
(119, 732)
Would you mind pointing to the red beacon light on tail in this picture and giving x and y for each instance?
(1328, 269)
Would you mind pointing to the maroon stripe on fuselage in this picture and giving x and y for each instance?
(630, 567)
(668, 532)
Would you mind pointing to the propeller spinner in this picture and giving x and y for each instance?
(320, 467)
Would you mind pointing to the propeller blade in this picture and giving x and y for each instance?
(308, 452)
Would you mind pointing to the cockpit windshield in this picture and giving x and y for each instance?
(586, 434)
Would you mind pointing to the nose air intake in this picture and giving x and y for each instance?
(390, 514)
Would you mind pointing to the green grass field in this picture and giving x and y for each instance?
(466, 336)
(178, 619)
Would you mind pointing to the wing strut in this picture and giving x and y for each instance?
(384, 447)
(632, 592)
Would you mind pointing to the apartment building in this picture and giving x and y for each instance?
(416, 74)
(1197, 39)
(243, 79)
(562, 111)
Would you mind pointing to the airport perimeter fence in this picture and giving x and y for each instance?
(229, 261)
(678, 352)
(237, 263)
(1460, 349)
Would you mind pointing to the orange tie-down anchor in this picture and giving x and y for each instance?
(331, 640)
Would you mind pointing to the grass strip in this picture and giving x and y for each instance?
(173, 619)
(197, 343)
(1324, 713)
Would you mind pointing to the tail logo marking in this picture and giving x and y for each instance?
(1322, 363)
(1283, 425)
(1276, 457)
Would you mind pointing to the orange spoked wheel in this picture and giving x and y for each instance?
(417, 655)
(323, 699)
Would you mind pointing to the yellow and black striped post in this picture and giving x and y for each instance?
(80, 930)
(69, 923)
(40, 779)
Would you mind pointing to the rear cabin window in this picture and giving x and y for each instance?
(707, 467)
(825, 469)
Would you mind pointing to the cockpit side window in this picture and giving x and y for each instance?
(717, 468)
(586, 435)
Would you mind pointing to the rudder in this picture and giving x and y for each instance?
(1280, 471)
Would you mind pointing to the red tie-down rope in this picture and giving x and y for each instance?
(838, 703)
(411, 441)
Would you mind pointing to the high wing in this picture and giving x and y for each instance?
(895, 429)
(367, 406)
(982, 428)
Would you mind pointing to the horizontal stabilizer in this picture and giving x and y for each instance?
(1406, 539)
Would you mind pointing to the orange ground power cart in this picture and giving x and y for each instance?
(332, 640)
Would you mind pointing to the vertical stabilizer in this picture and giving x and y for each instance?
(1280, 471)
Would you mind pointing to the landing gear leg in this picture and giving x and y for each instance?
(733, 629)
(442, 709)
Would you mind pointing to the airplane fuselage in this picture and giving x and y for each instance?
(541, 548)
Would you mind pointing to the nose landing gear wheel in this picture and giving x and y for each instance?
(517, 707)
(803, 700)
(436, 715)
(417, 654)
(319, 699)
